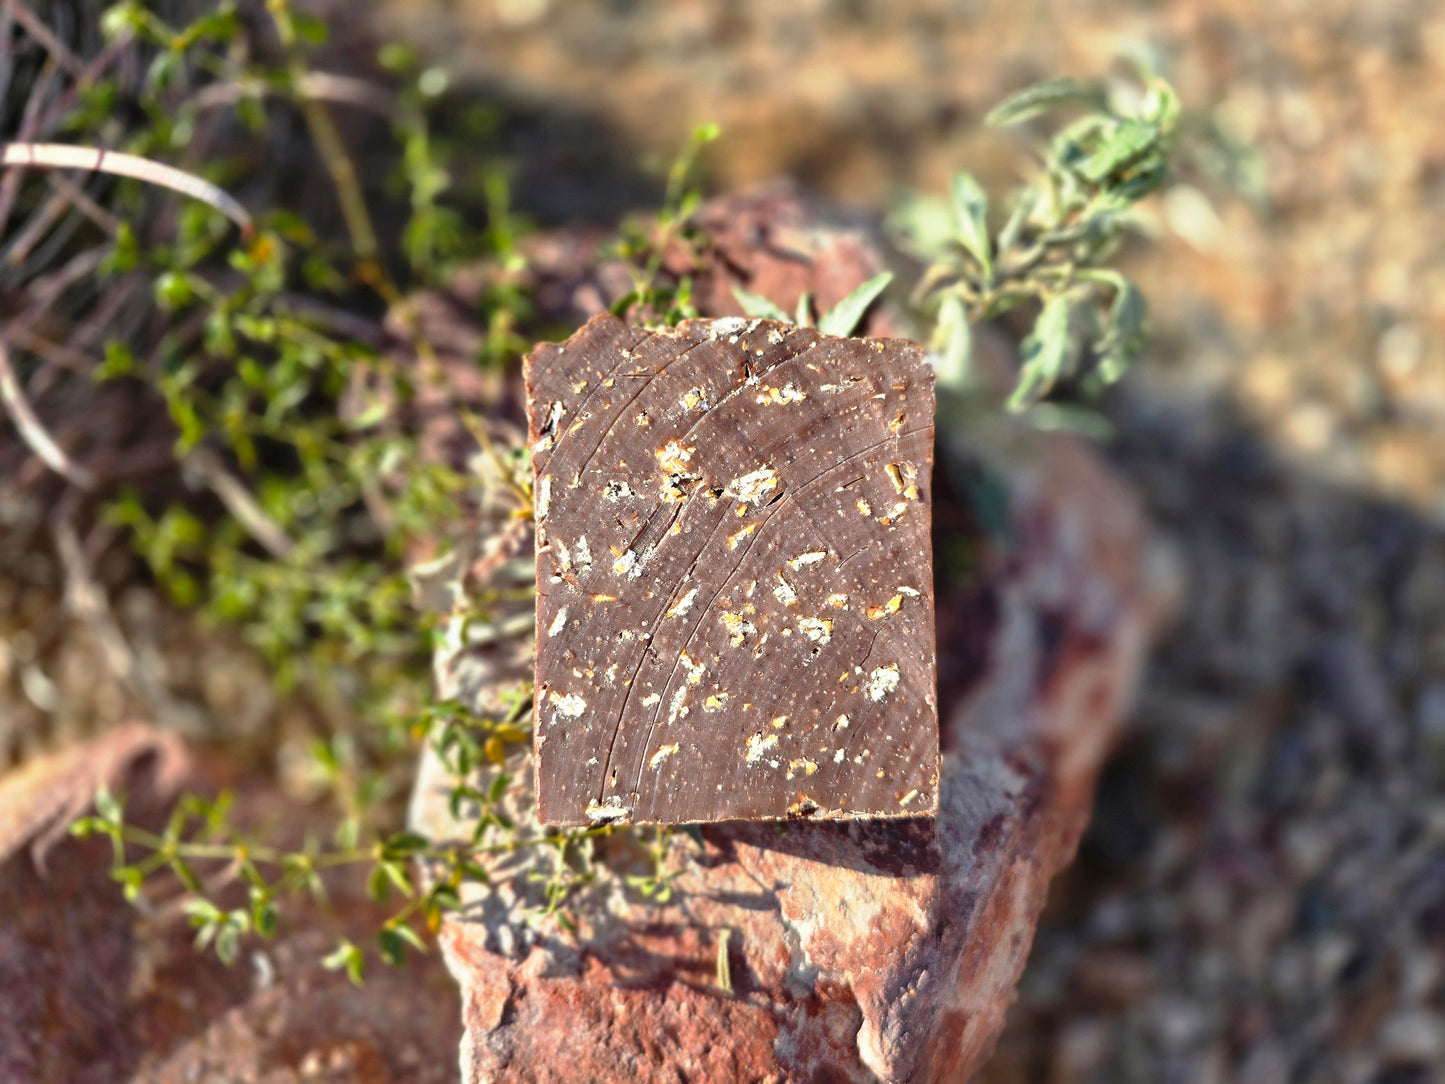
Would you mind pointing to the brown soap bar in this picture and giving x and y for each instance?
(734, 574)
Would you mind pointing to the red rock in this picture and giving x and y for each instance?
(861, 951)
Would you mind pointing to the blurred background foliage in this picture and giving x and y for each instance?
(245, 413)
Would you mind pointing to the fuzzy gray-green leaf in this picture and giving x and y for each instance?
(759, 307)
(970, 206)
(1044, 353)
(1124, 340)
(1039, 98)
(843, 317)
(954, 342)
(1126, 142)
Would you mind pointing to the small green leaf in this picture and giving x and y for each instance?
(392, 947)
(845, 316)
(348, 956)
(923, 226)
(970, 207)
(1039, 98)
(118, 361)
(263, 916)
(410, 936)
(227, 942)
(402, 844)
(1124, 339)
(107, 805)
(378, 885)
(310, 29)
(1125, 142)
(396, 873)
(955, 344)
(759, 307)
(173, 290)
(804, 316)
(1044, 353)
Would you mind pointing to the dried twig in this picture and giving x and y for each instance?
(240, 503)
(323, 86)
(30, 126)
(56, 354)
(12, 395)
(92, 210)
(37, 29)
(64, 156)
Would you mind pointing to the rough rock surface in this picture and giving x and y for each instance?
(868, 951)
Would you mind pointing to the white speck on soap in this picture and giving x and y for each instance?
(882, 681)
(683, 604)
(758, 745)
(752, 487)
(816, 629)
(784, 592)
(568, 706)
(609, 809)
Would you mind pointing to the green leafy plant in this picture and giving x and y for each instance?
(644, 243)
(1051, 243)
(842, 319)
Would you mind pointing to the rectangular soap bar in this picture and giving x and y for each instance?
(734, 575)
